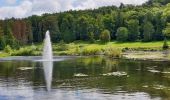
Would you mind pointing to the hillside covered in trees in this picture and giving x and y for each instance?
(147, 22)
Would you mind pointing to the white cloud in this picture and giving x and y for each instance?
(84, 4)
(50, 6)
(29, 7)
(20, 11)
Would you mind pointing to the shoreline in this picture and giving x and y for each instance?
(126, 50)
(163, 55)
(148, 55)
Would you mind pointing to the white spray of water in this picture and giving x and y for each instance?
(48, 72)
(47, 51)
(47, 61)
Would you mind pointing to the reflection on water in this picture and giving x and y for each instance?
(84, 78)
(48, 71)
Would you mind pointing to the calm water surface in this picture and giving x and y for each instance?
(83, 78)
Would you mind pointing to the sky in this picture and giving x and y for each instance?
(25, 8)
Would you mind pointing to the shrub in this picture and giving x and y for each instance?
(22, 52)
(67, 49)
(165, 45)
(92, 50)
(8, 49)
(122, 34)
(105, 36)
(91, 37)
(74, 50)
(61, 46)
(4, 54)
(112, 52)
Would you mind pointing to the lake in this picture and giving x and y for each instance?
(83, 78)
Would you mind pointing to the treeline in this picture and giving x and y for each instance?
(148, 22)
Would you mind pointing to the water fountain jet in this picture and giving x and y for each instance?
(47, 60)
(47, 50)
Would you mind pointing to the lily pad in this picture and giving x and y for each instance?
(165, 72)
(25, 68)
(154, 71)
(80, 75)
(115, 74)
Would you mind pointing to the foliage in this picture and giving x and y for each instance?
(159, 25)
(166, 31)
(148, 31)
(67, 28)
(133, 27)
(122, 34)
(147, 22)
(110, 23)
(61, 46)
(91, 37)
(112, 52)
(86, 48)
(91, 50)
(2, 43)
(152, 2)
(3, 54)
(105, 36)
(165, 44)
(8, 49)
(51, 23)
(22, 52)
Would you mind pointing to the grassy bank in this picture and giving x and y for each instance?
(112, 49)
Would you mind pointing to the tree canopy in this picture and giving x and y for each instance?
(146, 22)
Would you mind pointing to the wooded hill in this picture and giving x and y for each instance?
(147, 22)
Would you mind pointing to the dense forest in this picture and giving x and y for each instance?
(147, 22)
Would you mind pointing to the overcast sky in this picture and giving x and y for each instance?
(24, 8)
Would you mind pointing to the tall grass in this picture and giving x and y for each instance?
(22, 52)
(91, 50)
(112, 52)
(111, 49)
(66, 49)
(26, 51)
(3, 54)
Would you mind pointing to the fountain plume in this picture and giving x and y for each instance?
(47, 63)
(48, 72)
(47, 50)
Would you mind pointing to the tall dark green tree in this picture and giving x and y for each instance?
(37, 31)
(2, 39)
(67, 27)
(2, 42)
(109, 23)
(83, 27)
(148, 28)
(98, 27)
(122, 34)
(119, 19)
(133, 27)
(159, 25)
(148, 17)
(51, 23)
(148, 31)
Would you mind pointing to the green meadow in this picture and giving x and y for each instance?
(85, 48)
